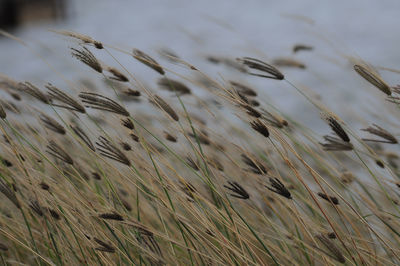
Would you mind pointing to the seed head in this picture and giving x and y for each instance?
(83, 136)
(302, 47)
(86, 57)
(259, 126)
(159, 102)
(174, 86)
(331, 199)
(279, 188)
(372, 77)
(331, 246)
(9, 193)
(107, 149)
(134, 137)
(55, 150)
(148, 61)
(44, 186)
(255, 166)
(380, 132)
(35, 206)
(117, 75)
(52, 124)
(288, 62)
(3, 113)
(33, 91)
(273, 119)
(192, 163)
(100, 102)
(243, 89)
(84, 38)
(131, 92)
(251, 111)
(188, 189)
(337, 128)
(238, 190)
(336, 144)
(67, 101)
(169, 137)
(126, 122)
(111, 216)
(126, 146)
(104, 247)
(272, 72)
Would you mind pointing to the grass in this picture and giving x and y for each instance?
(131, 175)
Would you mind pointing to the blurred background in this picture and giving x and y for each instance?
(195, 30)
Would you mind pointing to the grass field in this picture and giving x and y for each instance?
(199, 170)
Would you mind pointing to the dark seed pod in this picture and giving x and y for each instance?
(238, 190)
(111, 216)
(278, 187)
(331, 199)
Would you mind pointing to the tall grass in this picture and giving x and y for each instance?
(125, 174)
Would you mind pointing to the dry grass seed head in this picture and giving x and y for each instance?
(125, 146)
(158, 101)
(246, 90)
(148, 61)
(255, 166)
(44, 186)
(259, 126)
(55, 150)
(83, 136)
(104, 247)
(251, 111)
(188, 189)
(169, 137)
(107, 149)
(302, 47)
(10, 106)
(288, 62)
(111, 216)
(238, 190)
(336, 144)
(9, 193)
(70, 103)
(52, 124)
(272, 72)
(86, 57)
(100, 102)
(203, 138)
(278, 187)
(79, 36)
(347, 177)
(117, 75)
(192, 163)
(372, 77)
(35, 206)
(126, 122)
(32, 90)
(331, 199)
(336, 127)
(3, 114)
(380, 132)
(134, 137)
(273, 119)
(130, 92)
(174, 86)
(331, 246)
